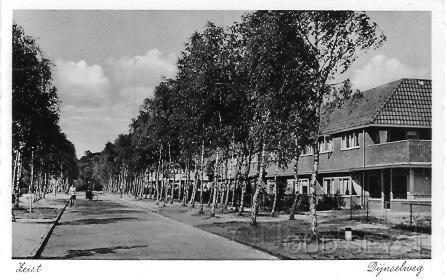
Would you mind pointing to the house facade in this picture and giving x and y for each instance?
(375, 152)
(375, 149)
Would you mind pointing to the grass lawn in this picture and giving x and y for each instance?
(291, 240)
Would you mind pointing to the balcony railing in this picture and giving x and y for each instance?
(405, 151)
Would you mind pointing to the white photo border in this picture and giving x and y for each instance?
(330, 269)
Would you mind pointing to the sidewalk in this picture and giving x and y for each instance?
(30, 229)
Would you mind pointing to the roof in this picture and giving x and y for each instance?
(405, 102)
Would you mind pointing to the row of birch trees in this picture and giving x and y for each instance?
(252, 90)
(43, 159)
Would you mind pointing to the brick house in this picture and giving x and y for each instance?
(374, 149)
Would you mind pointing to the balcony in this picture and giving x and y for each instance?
(399, 152)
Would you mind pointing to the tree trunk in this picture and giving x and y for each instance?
(31, 185)
(216, 165)
(233, 195)
(164, 191)
(211, 196)
(121, 182)
(223, 188)
(254, 207)
(39, 190)
(223, 183)
(295, 193)
(135, 185)
(275, 189)
(236, 180)
(244, 183)
(273, 213)
(194, 187)
(171, 184)
(179, 194)
(14, 171)
(19, 178)
(228, 178)
(157, 176)
(16, 179)
(313, 190)
(186, 186)
(201, 177)
(172, 190)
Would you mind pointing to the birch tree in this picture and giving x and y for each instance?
(336, 39)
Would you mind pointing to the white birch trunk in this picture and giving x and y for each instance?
(254, 207)
(213, 208)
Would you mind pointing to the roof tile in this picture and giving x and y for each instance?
(405, 102)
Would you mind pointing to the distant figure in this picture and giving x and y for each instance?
(72, 193)
(88, 194)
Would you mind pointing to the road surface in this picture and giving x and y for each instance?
(114, 229)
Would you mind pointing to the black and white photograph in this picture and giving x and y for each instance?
(308, 136)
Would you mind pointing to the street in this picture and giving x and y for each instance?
(113, 229)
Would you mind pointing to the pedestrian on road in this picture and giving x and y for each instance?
(72, 193)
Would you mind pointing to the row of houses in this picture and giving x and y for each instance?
(374, 149)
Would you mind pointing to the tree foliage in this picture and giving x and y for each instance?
(255, 88)
(40, 148)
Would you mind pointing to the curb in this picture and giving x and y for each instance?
(279, 256)
(47, 237)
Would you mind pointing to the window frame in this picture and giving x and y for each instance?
(307, 151)
(300, 186)
(350, 140)
(331, 185)
(326, 145)
(340, 186)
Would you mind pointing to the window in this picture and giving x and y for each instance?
(325, 144)
(271, 186)
(329, 185)
(412, 134)
(355, 139)
(306, 151)
(374, 134)
(290, 186)
(303, 185)
(337, 185)
(345, 186)
(345, 142)
(350, 140)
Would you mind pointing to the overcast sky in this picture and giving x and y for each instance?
(107, 62)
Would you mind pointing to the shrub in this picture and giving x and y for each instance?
(303, 202)
(327, 202)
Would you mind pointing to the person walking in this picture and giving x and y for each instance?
(72, 193)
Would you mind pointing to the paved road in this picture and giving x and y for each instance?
(113, 229)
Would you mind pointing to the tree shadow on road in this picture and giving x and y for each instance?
(94, 251)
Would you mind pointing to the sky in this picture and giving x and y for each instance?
(107, 62)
